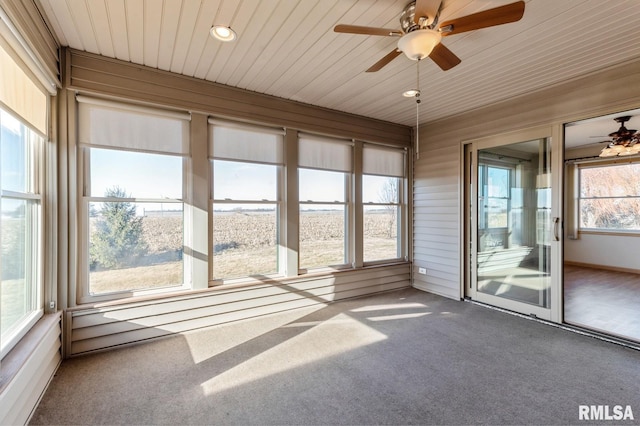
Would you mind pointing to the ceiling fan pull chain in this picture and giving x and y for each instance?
(418, 109)
(418, 76)
(418, 126)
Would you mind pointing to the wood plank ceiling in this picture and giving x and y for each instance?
(287, 48)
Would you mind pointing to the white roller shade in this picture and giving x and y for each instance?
(325, 153)
(231, 141)
(108, 124)
(20, 94)
(382, 161)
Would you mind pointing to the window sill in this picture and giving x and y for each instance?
(133, 294)
(311, 274)
(234, 285)
(617, 232)
(15, 359)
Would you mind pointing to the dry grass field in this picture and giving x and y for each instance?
(14, 298)
(14, 303)
(245, 244)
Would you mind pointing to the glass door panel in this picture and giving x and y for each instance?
(513, 228)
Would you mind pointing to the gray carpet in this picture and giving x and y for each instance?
(404, 357)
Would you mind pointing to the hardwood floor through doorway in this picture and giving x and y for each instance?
(602, 300)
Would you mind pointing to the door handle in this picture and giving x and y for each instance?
(556, 227)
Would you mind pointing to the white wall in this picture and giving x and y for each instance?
(438, 184)
(617, 251)
(609, 251)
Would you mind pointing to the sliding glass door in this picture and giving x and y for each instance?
(514, 226)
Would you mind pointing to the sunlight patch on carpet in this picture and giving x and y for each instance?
(335, 336)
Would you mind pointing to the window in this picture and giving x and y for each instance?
(247, 169)
(323, 218)
(610, 197)
(495, 186)
(324, 177)
(133, 212)
(21, 227)
(382, 190)
(23, 124)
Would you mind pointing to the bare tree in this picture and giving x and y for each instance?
(610, 197)
(389, 194)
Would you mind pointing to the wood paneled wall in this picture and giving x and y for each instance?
(27, 370)
(29, 22)
(96, 74)
(116, 324)
(435, 231)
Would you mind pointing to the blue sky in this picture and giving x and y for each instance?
(145, 175)
(12, 154)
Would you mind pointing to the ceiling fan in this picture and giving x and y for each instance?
(623, 141)
(421, 34)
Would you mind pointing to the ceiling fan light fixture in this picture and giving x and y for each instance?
(418, 44)
(608, 152)
(411, 93)
(223, 33)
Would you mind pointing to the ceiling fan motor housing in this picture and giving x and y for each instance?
(407, 22)
(622, 133)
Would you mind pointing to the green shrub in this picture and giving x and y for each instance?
(117, 240)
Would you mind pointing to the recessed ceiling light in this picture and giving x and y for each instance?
(411, 93)
(223, 33)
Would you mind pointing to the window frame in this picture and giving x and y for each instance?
(579, 198)
(278, 212)
(290, 204)
(337, 155)
(287, 204)
(386, 167)
(279, 162)
(30, 101)
(84, 294)
(34, 219)
(483, 222)
(400, 214)
(347, 204)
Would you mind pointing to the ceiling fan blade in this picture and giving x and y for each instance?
(443, 57)
(356, 29)
(426, 8)
(488, 18)
(384, 61)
